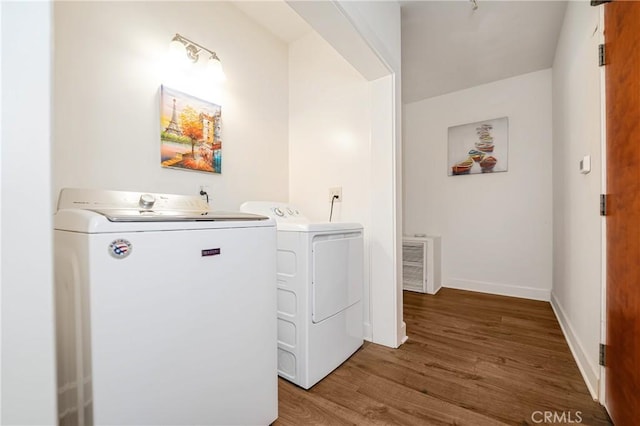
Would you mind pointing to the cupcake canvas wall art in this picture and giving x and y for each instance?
(480, 147)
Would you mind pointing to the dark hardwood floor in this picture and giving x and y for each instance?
(471, 359)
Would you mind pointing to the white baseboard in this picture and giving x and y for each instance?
(500, 289)
(590, 372)
(368, 336)
(403, 333)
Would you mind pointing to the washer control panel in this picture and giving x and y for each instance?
(98, 199)
(147, 201)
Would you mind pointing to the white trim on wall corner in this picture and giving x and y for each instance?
(403, 334)
(602, 389)
(1, 177)
(590, 373)
(367, 332)
(500, 289)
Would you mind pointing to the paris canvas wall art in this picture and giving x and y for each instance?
(479, 147)
(190, 132)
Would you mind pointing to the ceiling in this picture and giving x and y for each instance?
(276, 17)
(448, 46)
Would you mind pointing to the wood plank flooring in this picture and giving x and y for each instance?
(471, 359)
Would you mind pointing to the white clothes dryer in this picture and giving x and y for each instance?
(320, 280)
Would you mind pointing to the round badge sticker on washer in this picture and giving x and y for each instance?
(120, 248)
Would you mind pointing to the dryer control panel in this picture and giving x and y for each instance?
(281, 212)
(286, 211)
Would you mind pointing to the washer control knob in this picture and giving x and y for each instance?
(290, 211)
(278, 211)
(147, 201)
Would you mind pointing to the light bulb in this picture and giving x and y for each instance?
(214, 68)
(176, 49)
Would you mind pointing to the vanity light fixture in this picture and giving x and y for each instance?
(180, 45)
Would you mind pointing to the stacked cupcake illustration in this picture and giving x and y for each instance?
(485, 140)
(483, 147)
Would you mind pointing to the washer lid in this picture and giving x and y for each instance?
(130, 215)
(91, 222)
(123, 206)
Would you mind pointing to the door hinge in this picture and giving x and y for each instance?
(602, 357)
(603, 204)
(599, 2)
(602, 59)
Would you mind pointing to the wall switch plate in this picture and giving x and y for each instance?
(336, 190)
(585, 164)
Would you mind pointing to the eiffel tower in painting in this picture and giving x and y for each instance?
(173, 127)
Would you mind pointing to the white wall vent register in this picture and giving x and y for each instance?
(421, 264)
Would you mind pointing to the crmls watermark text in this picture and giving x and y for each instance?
(565, 417)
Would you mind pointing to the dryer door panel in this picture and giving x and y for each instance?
(337, 261)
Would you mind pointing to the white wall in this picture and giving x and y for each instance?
(386, 216)
(367, 35)
(329, 126)
(109, 63)
(378, 22)
(28, 368)
(329, 122)
(577, 284)
(496, 228)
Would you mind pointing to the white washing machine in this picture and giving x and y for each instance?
(165, 312)
(320, 279)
